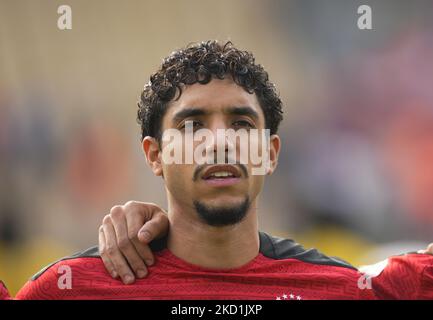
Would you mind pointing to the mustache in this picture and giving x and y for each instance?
(201, 167)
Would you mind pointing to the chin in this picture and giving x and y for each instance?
(221, 212)
(224, 201)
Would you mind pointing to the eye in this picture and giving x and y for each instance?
(195, 124)
(243, 124)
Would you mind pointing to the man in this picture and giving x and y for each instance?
(213, 249)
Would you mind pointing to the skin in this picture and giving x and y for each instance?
(189, 237)
(124, 237)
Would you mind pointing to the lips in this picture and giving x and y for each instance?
(221, 172)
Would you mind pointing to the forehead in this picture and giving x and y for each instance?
(214, 97)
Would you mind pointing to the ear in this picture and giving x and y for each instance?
(274, 151)
(153, 154)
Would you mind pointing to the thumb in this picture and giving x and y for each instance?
(430, 248)
(156, 227)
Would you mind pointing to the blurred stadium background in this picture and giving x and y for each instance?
(355, 177)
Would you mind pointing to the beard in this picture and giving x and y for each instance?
(222, 216)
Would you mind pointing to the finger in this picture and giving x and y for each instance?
(430, 248)
(157, 227)
(134, 222)
(144, 251)
(125, 244)
(103, 253)
(115, 255)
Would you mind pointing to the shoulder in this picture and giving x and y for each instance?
(280, 248)
(407, 276)
(326, 276)
(92, 252)
(55, 280)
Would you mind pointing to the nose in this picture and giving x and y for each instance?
(222, 146)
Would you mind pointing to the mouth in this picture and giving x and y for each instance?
(221, 175)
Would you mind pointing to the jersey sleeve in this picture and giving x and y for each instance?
(41, 286)
(4, 293)
(69, 279)
(407, 276)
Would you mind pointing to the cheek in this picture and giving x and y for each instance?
(178, 178)
(256, 184)
(257, 152)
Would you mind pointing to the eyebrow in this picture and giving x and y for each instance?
(238, 110)
(243, 111)
(190, 112)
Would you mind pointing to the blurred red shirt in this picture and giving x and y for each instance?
(4, 294)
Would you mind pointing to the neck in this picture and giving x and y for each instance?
(212, 247)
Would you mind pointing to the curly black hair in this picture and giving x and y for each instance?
(200, 63)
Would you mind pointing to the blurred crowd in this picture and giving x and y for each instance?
(355, 175)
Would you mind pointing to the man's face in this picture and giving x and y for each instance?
(220, 104)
